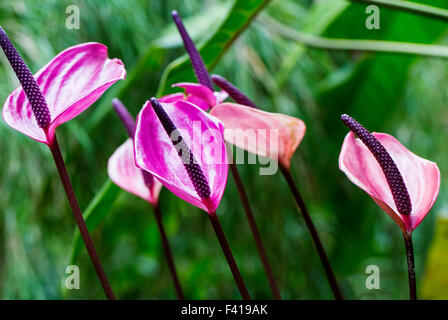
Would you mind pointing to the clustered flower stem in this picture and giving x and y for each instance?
(411, 265)
(255, 232)
(62, 170)
(167, 252)
(313, 232)
(229, 256)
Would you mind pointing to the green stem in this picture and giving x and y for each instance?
(410, 6)
(358, 45)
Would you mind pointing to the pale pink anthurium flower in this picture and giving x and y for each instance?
(403, 184)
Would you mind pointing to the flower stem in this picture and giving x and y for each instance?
(167, 252)
(229, 256)
(410, 6)
(59, 160)
(411, 265)
(255, 232)
(356, 44)
(314, 235)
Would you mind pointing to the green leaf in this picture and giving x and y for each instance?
(238, 19)
(96, 211)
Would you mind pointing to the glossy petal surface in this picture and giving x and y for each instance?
(123, 172)
(267, 134)
(155, 152)
(70, 83)
(421, 176)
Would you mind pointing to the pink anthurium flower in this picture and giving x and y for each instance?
(201, 183)
(70, 83)
(406, 192)
(403, 184)
(274, 135)
(183, 147)
(64, 88)
(123, 172)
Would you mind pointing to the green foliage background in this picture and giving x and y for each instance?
(402, 95)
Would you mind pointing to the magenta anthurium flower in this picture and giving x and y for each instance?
(191, 161)
(64, 88)
(70, 83)
(404, 185)
(268, 134)
(123, 172)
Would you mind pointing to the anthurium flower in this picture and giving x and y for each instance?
(123, 172)
(275, 135)
(183, 147)
(65, 87)
(403, 184)
(70, 83)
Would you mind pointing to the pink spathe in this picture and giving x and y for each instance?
(123, 172)
(70, 83)
(197, 94)
(421, 177)
(267, 134)
(202, 133)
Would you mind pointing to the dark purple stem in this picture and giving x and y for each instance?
(126, 118)
(233, 91)
(167, 252)
(387, 164)
(313, 232)
(229, 256)
(411, 265)
(58, 159)
(196, 60)
(255, 232)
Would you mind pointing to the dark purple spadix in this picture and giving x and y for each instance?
(26, 78)
(129, 124)
(196, 60)
(125, 117)
(193, 169)
(233, 91)
(387, 164)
